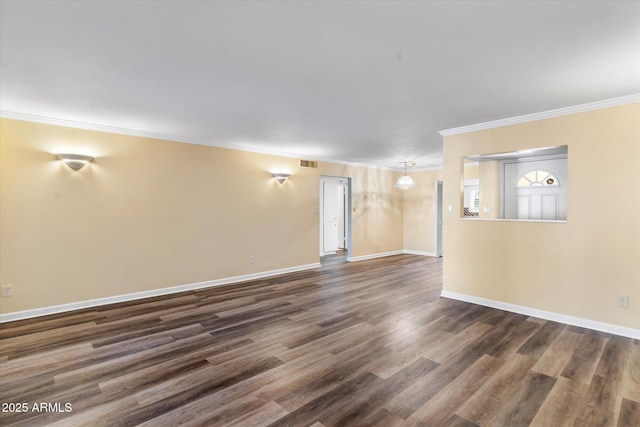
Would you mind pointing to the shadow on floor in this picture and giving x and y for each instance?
(338, 258)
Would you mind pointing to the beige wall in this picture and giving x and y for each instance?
(575, 268)
(471, 170)
(420, 212)
(150, 214)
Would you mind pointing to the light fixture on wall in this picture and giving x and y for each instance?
(405, 182)
(281, 177)
(75, 161)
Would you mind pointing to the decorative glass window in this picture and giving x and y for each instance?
(537, 178)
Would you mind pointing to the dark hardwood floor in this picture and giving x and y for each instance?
(349, 344)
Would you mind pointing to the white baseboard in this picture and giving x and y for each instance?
(384, 254)
(410, 252)
(372, 256)
(548, 315)
(27, 314)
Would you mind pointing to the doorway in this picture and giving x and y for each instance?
(335, 218)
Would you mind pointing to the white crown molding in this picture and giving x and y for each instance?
(548, 315)
(83, 125)
(28, 314)
(423, 168)
(144, 134)
(607, 103)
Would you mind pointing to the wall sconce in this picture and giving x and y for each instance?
(75, 161)
(281, 177)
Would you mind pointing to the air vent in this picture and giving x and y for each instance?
(308, 164)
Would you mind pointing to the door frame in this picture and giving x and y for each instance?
(438, 211)
(345, 181)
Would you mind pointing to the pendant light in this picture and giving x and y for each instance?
(405, 182)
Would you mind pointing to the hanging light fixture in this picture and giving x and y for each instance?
(405, 182)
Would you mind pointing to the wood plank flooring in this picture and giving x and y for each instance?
(348, 344)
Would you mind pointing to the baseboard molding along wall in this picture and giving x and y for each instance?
(27, 314)
(44, 311)
(372, 256)
(391, 253)
(410, 252)
(547, 315)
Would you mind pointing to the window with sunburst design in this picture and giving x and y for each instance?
(537, 178)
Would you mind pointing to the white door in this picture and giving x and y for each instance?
(330, 217)
(536, 189)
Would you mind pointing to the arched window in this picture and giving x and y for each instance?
(537, 178)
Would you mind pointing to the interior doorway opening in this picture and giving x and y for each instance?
(335, 217)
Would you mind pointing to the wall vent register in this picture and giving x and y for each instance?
(308, 164)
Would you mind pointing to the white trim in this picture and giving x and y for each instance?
(95, 127)
(548, 315)
(614, 102)
(141, 133)
(439, 211)
(27, 314)
(391, 253)
(422, 253)
(345, 181)
(177, 138)
(372, 256)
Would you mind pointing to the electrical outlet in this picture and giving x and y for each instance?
(622, 301)
(252, 259)
(7, 291)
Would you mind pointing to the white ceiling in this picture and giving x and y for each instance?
(367, 82)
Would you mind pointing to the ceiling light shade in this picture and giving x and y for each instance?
(281, 177)
(75, 161)
(405, 182)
